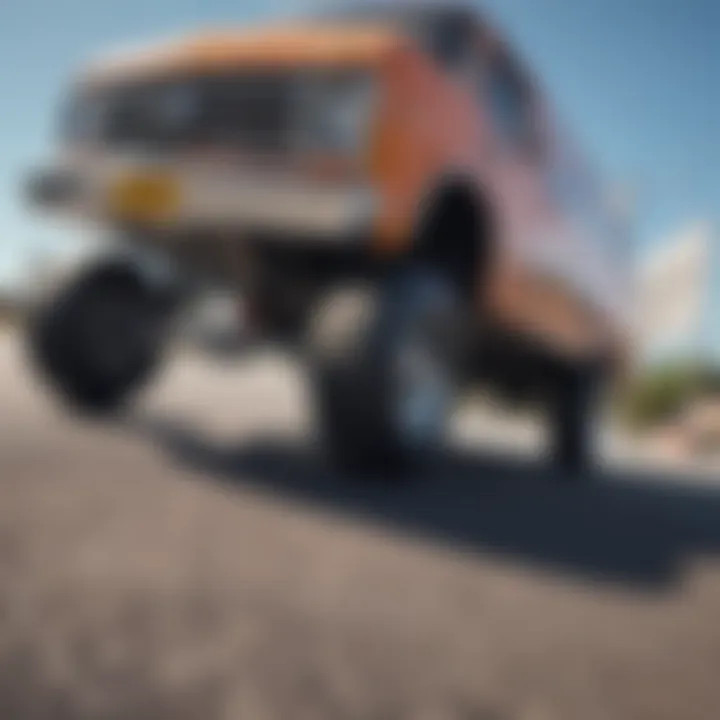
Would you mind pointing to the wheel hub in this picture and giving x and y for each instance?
(423, 392)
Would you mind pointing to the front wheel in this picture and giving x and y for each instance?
(98, 339)
(384, 364)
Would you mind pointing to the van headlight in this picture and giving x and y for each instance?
(335, 113)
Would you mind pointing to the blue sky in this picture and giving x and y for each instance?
(638, 81)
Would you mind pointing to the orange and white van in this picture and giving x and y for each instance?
(385, 186)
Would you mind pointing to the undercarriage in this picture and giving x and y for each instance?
(388, 346)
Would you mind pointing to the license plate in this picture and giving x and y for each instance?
(145, 198)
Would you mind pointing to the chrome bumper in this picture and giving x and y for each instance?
(210, 198)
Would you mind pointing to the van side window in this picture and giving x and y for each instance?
(451, 42)
(509, 104)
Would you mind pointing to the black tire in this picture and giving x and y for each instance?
(575, 406)
(359, 338)
(98, 339)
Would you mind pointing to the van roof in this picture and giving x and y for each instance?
(268, 45)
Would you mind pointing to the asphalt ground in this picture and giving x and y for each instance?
(196, 558)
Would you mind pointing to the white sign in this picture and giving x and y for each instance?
(673, 286)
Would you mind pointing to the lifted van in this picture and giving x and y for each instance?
(385, 188)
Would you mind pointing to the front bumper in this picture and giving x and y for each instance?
(203, 197)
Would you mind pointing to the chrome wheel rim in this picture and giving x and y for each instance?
(423, 392)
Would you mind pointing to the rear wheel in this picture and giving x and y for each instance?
(99, 339)
(575, 407)
(384, 362)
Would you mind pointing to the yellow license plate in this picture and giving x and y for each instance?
(145, 198)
